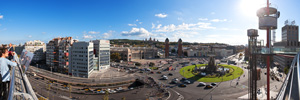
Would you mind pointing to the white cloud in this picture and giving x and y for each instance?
(137, 20)
(1, 16)
(93, 32)
(85, 36)
(212, 13)
(218, 20)
(183, 27)
(161, 15)
(202, 19)
(153, 26)
(29, 36)
(140, 32)
(108, 34)
(158, 26)
(131, 24)
(140, 22)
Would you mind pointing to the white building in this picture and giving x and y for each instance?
(102, 52)
(38, 48)
(81, 58)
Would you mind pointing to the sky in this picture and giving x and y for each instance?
(202, 21)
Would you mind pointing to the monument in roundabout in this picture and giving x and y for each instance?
(212, 68)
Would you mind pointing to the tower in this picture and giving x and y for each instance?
(252, 51)
(167, 48)
(179, 51)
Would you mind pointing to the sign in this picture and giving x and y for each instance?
(25, 59)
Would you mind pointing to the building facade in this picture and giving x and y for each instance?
(289, 43)
(102, 52)
(81, 58)
(38, 48)
(57, 54)
(133, 53)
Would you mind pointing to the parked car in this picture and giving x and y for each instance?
(158, 72)
(208, 86)
(100, 91)
(165, 78)
(202, 84)
(182, 85)
(213, 84)
(187, 81)
(170, 74)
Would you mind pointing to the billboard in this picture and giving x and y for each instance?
(25, 59)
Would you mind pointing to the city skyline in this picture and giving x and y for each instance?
(195, 21)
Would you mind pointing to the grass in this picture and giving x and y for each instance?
(234, 72)
(154, 68)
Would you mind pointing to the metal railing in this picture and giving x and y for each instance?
(290, 89)
(20, 87)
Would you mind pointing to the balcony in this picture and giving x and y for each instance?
(20, 87)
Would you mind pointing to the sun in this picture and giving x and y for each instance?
(249, 7)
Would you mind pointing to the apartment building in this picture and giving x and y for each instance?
(57, 56)
(133, 53)
(38, 48)
(102, 54)
(81, 58)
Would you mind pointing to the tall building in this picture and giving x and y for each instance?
(57, 54)
(81, 58)
(290, 36)
(102, 52)
(38, 48)
(167, 48)
(179, 51)
(290, 41)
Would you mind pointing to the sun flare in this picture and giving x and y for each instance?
(249, 7)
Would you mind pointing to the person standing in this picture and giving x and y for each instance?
(5, 72)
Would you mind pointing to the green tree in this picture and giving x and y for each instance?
(138, 64)
(286, 69)
(173, 50)
(151, 64)
(115, 57)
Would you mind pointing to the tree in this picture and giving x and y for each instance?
(286, 69)
(115, 57)
(151, 64)
(138, 64)
(173, 50)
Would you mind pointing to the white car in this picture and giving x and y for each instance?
(202, 84)
(112, 91)
(100, 91)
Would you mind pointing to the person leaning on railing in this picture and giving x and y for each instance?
(5, 72)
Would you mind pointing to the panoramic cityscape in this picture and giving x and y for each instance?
(149, 50)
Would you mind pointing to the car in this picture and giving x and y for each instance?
(165, 78)
(119, 89)
(202, 84)
(175, 79)
(174, 82)
(208, 86)
(187, 81)
(170, 74)
(158, 72)
(182, 85)
(163, 75)
(112, 91)
(100, 91)
(152, 72)
(213, 84)
(141, 72)
(130, 88)
(183, 79)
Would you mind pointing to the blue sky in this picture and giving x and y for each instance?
(211, 21)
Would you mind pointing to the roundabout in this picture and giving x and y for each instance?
(230, 72)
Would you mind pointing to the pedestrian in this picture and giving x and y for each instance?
(5, 72)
